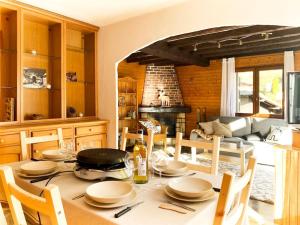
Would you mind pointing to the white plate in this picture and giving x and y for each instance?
(190, 187)
(38, 168)
(170, 174)
(174, 167)
(24, 175)
(210, 195)
(123, 202)
(53, 154)
(109, 191)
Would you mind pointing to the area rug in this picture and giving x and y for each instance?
(263, 184)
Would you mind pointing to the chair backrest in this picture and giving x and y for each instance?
(208, 145)
(234, 197)
(2, 217)
(125, 136)
(33, 140)
(49, 205)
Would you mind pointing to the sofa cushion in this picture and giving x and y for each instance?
(221, 129)
(253, 137)
(263, 125)
(207, 127)
(240, 126)
(280, 135)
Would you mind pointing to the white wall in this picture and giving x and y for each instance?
(119, 40)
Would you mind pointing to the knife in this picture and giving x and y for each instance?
(122, 212)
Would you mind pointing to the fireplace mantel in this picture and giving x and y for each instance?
(172, 109)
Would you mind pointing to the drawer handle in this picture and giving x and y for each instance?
(90, 129)
(1, 141)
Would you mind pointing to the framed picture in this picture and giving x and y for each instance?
(34, 78)
(72, 76)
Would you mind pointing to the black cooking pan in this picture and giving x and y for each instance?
(101, 158)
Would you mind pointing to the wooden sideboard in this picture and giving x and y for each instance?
(81, 131)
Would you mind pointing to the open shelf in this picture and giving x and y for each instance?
(8, 66)
(41, 68)
(80, 69)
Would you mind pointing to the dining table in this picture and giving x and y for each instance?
(78, 212)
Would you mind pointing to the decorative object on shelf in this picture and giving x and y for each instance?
(35, 116)
(71, 111)
(35, 78)
(121, 100)
(71, 76)
(9, 109)
(81, 114)
(164, 99)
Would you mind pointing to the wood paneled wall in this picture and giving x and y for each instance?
(135, 71)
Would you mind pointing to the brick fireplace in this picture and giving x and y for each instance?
(164, 78)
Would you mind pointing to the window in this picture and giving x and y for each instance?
(260, 92)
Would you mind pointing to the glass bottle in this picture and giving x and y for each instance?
(140, 157)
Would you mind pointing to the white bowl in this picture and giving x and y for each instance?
(53, 154)
(38, 168)
(109, 191)
(190, 187)
(174, 167)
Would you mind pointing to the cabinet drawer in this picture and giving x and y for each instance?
(10, 154)
(10, 139)
(93, 141)
(67, 133)
(90, 130)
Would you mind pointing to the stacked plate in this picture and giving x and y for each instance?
(171, 169)
(110, 194)
(37, 169)
(190, 189)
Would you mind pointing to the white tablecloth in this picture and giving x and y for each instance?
(148, 213)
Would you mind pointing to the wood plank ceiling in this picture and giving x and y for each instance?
(198, 48)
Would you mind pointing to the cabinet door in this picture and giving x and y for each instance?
(10, 154)
(93, 141)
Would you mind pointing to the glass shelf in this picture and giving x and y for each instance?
(30, 54)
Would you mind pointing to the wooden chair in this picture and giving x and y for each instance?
(162, 136)
(33, 140)
(206, 145)
(2, 217)
(234, 197)
(49, 205)
(148, 138)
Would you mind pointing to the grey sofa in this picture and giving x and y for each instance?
(251, 131)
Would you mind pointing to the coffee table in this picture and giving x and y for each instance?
(242, 151)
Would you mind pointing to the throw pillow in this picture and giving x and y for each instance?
(201, 133)
(207, 127)
(280, 135)
(148, 124)
(222, 129)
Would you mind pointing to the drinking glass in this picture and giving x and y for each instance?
(158, 164)
(67, 147)
(129, 163)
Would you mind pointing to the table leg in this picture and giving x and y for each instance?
(243, 162)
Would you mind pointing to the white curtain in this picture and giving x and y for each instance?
(228, 88)
(288, 67)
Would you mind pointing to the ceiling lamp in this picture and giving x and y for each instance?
(266, 35)
(195, 47)
(240, 42)
(219, 44)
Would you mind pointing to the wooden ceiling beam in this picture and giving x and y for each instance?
(163, 51)
(157, 60)
(262, 50)
(235, 33)
(251, 46)
(139, 59)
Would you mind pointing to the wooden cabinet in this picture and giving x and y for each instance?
(81, 132)
(127, 103)
(48, 66)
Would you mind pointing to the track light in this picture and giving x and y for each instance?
(195, 48)
(266, 35)
(240, 42)
(219, 44)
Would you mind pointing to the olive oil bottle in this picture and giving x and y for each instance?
(140, 161)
